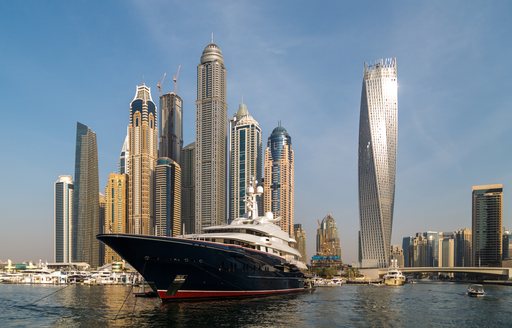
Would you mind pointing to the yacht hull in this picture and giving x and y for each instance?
(178, 268)
(394, 282)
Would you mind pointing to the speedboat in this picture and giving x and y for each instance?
(476, 290)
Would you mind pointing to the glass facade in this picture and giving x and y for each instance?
(463, 249)
(86, 220)
(187, 188)
(63, 219)
(487, 225)
(167, 198)
(171, 126)
(245, 159)
(378, 132)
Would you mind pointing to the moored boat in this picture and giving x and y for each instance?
(394, 277)
(251, 256)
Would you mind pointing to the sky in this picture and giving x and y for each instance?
(298, 62)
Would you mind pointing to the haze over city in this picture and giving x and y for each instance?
(297, 63)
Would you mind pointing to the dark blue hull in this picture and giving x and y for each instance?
(182, 268)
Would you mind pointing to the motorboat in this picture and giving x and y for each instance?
(476, 290)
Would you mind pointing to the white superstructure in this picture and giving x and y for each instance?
(394, 277)
(254, 231)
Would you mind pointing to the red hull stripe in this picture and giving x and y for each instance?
(217, 293)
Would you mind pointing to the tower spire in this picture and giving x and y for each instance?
(212, 37)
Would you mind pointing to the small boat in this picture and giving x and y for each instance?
(394, 277)
(476, 290)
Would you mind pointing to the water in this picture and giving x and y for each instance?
(420, 305)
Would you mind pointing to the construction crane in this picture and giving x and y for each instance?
(160, 83)
(175, 79)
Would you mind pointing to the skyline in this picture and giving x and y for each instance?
(453, 99)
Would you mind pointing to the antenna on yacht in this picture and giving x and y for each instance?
(251, 205)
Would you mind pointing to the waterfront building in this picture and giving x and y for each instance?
(487, 209)
(188, 158)
(446, 250)
(86, 221)
(142, 145)
(63, 215)
(397, 254)
(171, 126)
(463, 249)
(432, 250)
(168, 170)
(245, 159)
(278, 185)
(327, 238)
(211, 140)
(116, 210)
(422, 250)
(408, 251)
(167, 198)
(378, 132)
(328, 248)
(300, 239)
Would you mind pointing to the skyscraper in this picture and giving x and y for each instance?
(463, 249)
(278, 194)
(378, 132)
(327, 238)
(168, 170)
(211, 140)
(487, 225)
(432, 250)
(300, 238)
(408, 251)
(167, 197)
(446, 250)
(246, 159)
(188, 158)
(142, 145)
(171, 126)
(116, 210)
(63, 213)
(86, 221)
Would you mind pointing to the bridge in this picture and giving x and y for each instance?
(495, 271)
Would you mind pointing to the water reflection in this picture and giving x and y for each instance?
(376, 304)
(434, 304)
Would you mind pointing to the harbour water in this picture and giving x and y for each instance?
(421, 305)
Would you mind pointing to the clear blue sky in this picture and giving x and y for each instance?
(299, 62)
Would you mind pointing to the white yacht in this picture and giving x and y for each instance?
(394, 277)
